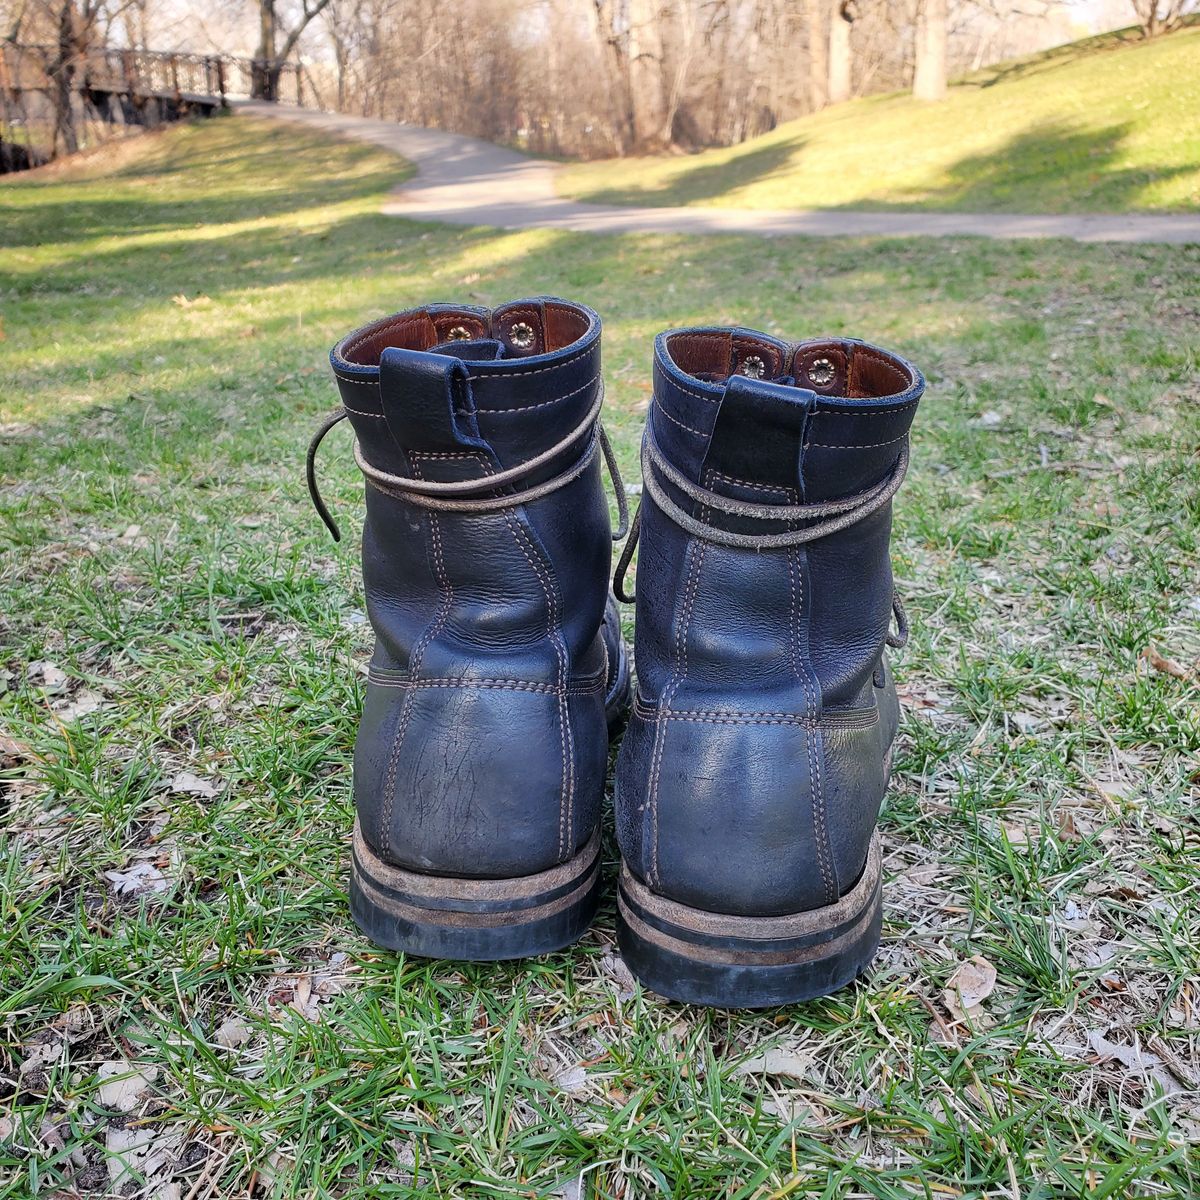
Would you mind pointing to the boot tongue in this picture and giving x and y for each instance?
(476, 350)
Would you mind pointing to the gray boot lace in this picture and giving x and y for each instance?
(831, 516)
(476, 495)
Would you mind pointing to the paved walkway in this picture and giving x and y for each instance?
(464, 181)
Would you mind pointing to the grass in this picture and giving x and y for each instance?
(167, 310)
(1105, 125)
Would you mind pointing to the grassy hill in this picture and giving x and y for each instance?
(1103, 125)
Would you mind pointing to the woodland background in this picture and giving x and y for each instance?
(589, 78)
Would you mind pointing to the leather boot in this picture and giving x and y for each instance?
(498, 667)
(757, 754)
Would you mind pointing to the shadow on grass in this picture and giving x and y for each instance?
(711, 180)
(227, 168)
(1052, 161)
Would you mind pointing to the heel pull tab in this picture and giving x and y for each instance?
(428, 403)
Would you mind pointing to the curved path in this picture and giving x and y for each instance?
(465, 181)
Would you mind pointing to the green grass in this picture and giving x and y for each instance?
(1107, 125)
(167, 310)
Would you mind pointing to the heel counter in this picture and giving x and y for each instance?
(482, 779)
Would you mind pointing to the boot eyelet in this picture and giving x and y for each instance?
(753, 367)
(821, 372)
(460, 333)
(521, 335)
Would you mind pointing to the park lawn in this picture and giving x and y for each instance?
(1106, 125)
(183, 658)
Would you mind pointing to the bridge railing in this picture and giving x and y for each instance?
(150, 73)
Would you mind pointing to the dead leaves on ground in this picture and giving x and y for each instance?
(967, 989)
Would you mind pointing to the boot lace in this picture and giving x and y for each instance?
(477, 495)
(830, 516)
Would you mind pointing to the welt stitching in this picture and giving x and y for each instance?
(371, 383)
(675, 421)
(359, 413)
(487, 412)
(717, 717)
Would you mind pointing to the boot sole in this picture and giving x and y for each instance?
(439, 916)
(722, 961)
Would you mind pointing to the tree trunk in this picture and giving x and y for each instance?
(264, 75)
(818, 53)
(64, 80)
(840, 67)
(929, 77)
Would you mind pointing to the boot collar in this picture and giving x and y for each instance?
(819, 419)
(448, 380)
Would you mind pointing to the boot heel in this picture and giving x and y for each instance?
(439, 916)
(722, 961)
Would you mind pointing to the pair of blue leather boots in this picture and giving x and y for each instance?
(758, 745)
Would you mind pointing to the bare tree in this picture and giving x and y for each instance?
(817, 27)
(64, 32)
(271, 55)
(929, 74)
(841, 19)
(1159, 16)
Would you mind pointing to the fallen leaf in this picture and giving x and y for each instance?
(232, 1033)
(1133, 1058)
(122, 1084)
(793, 1063)
(193, 785)
(613, 965)
(145, 1155)
(137, 880)
(301, 995)
(40, 1054)
(53, 679)
(83, 704)
(573, 1080)
(968, 988)
(789, 1109)
(1163, 665)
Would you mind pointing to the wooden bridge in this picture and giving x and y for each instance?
(49, 94)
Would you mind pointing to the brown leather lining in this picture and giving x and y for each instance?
(555, 326)
(859, 372)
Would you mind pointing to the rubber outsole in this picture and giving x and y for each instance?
(722, 961)
(481, 920)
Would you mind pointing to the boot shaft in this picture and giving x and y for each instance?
(447, 394)
(761, 421)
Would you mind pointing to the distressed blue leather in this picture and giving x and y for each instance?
(483, 743)
(751, 775)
